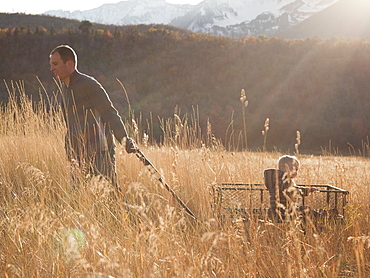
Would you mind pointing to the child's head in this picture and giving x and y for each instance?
(289, 164)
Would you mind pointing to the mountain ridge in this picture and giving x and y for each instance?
(238, 18)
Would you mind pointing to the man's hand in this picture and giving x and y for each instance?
(131, 146)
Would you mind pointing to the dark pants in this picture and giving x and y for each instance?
(102, 163)
(105, 164)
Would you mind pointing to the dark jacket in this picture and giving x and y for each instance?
(90, 117)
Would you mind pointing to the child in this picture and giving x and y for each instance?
(289, 165)
(285, 195)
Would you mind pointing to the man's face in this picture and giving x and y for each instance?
(59, 68)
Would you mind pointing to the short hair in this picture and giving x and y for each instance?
(287, 160)
(66, 53)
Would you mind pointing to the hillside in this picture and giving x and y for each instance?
(33, 21)
(317, 87)
(47, 22)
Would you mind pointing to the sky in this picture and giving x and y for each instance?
(41, 6)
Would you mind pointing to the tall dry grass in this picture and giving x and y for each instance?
(52, 228)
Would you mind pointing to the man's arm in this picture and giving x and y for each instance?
(110, 116)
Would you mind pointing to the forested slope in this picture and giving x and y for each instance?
(317, 87)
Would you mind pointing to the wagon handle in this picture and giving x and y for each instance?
(153, 171)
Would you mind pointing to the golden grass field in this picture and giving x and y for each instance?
(50, 228)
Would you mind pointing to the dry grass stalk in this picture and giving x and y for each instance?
(266, 128)
(298, 142)
(244, 101)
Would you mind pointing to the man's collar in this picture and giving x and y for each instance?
(73, 77)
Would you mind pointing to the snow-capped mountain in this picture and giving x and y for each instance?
(128, 12)
(345, 19)
(238, 18)
(234, 18)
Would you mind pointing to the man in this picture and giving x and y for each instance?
(90, 116)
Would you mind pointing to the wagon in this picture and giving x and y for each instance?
(252, 201)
